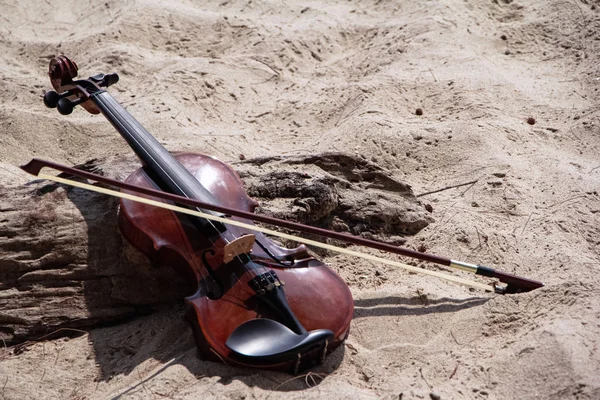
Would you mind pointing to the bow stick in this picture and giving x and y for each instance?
(514, 284)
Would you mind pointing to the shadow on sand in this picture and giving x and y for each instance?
(144, 308)
(137, 311)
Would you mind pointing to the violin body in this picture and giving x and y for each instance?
(251, 302)
(317, 296)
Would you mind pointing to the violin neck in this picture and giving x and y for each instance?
(164, 169)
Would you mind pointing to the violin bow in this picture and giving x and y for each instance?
(513, 283)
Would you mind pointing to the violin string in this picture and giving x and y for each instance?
(111, 106)
(309, 242)
(110, 101)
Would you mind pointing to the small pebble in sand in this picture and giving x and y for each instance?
(503, 37)
(531, 121)
(419, 111)
(242, 157)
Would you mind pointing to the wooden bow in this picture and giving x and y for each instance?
(513, 284)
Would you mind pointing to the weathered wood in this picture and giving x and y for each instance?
(335, 191)
(63, 262)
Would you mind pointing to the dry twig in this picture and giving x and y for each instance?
(453, 372)
(305, 376)
(19, 348)
(423, 377)
(449, 187)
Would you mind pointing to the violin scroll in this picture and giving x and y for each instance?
(61, 72)
(68, 93)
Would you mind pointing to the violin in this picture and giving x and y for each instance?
(255, 303)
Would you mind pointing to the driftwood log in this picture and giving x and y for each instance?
(64, 264)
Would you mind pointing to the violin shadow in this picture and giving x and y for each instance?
(395, 306)
(137, 314)
(141, 310)
(162, 341)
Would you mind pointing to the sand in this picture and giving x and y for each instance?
(263, 78)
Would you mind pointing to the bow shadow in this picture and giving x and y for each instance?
(396, 306)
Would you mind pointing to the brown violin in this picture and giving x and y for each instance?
(255, 303)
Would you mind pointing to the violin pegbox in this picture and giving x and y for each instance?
(68, 93)
(61, 72)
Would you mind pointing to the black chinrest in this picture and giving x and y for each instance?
(266, 341)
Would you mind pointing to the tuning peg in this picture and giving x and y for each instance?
(65, 106)
(51, 98)
(105, 80)
(111, 79)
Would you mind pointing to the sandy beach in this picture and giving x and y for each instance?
(508, 125)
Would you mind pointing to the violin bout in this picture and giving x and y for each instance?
(256, 304)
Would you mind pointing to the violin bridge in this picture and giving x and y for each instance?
(241, 245)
